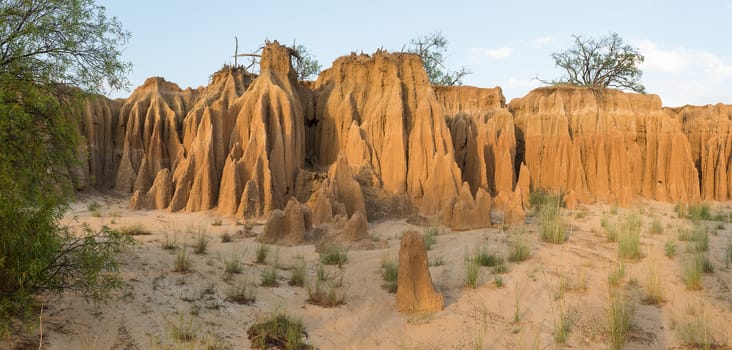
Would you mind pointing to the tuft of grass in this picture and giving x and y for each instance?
(629, 237)
(483, 258)
(279, 331)
(695, 329)
(436, 261)
(654, 288)
(327, 292)
(270, 276)
(242, 294)
(699, 212)
(429, 236)
(184, 330)
(472, 268)
(182, 261)
(561, 322)
(616, 275)
(93, 206)
(233, 265)
(681, 210)
(669, 249)
(552, 227)
(216, 222)
(133, 230)
(261, 252)
(390, 273)
(498, 280)
(200, 243)
(706, 264)
(334, 254)
(719, 226)
(226, 237)
(621, 312)
(611, 229)
(692, 272)
(656, 227)
(519, 251)
(297, 277)
(168, 244)
(500, 267)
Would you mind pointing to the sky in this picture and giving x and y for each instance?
(687, 44)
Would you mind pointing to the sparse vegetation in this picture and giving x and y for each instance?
(436, 261)
(622, 309)
(728, 254)
(616, 275)
(226, 237)
(200, 243)
(551, 225)
(243, 294)
(133, 230)
(184, 330)
(519, 251)
(472, 268)
(429, 236)
(432, 49)
(498, 280)
(692, 272)
(699, 212)
(698, 238)
(629, 237)
(389, 272)
(279, 331)
(483, 258)
(656, 227)
(670, 249)
(182, 261)
(168, 243)
(653, 288)
(261, 253)
(561, 322)
(233, 264)
(270, 276)
(334, 254)
(297, 277)
(93, 206)
(216, 222)
(327, 292)
(695, 329)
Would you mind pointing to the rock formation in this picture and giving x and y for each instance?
(415, 291)
(604, 145)
(288, 227)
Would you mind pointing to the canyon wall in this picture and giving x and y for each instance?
(371, 137)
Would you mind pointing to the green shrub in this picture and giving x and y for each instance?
(133, 230)
(498, 280)
(334, 254)
(552, 227)
(692, 272)
(279, 332)
(233, 265)
(519, 251)
(622, 309)
(483, 258)
(261, 252)
(182, 261)
(389, 272)
(698, 212)
(629, 237)
(169, 244)
(93, 206)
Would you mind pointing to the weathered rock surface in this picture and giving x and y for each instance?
(709, 130)
(288, 227)
(415, 291)
(604, 145)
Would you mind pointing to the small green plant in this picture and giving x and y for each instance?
(389, 272)
(622, 309)
(498, 280)
(669, 249)
(698, 239)
(484, 258)
(429, 237)
(133, 230)
(436, 261)
(695, 329)
(242, 294)
(297, 277)
(334, 254)
(706, 264)
(182, 261)
(93, 206)
(611, 228)
(698, 212)
(168, 243)
(184, 330)
(629, 237)
(321, 273)
(519, 251)
(270, 276)
(500, 267)
(692, 272)
(614, 209)
(616, 275)
(656, 227)
(654, 288)
(279, 331)
(261, 252)
(562, 323)
(552, 227)
(681, 210)
(327, 293)
(472, 268)
(226, 237)
(232, 265)
(200, 243)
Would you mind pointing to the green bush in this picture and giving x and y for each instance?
(279, 331)
(519, 251)
(552, 227)
(622, 309)
(390, 273)
(629, 237)
(698, 212)
(334, 254)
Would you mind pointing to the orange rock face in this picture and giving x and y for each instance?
(604, 145)
(415, 291)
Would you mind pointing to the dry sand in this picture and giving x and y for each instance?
(156, 300)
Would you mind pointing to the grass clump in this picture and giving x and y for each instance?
(297, 277)
(472, 269)
(182, 261)
(695, 329)
(279, 331)
(483, 258)
(226, 237)
(390, 273)
(616, 275)
(200, 243)
(169, 243)
(669, 249)
(692, 272)
(184, 331)
(436, 261)
(242, 294)
(552, 227)
(698, 239)
(429, 236)
(611, 229)
(232, 265)
(334, 254)
(519, 251)
(327, 292)
(653, 289)
(270, 276)
(133, 230)
(629, 237)
(261, 253)
(622, 309)
(656, 227)
(698, 212)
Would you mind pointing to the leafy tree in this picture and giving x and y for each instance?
(304, 64)
(432, 49)
(52, 53)
(604, 63)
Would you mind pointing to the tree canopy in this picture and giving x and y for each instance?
(305, 63)
(52, 52)
(606, 63)
(432, 48)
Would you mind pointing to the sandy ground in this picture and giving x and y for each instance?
(569, 279)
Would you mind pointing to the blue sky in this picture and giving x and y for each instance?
(688, 45)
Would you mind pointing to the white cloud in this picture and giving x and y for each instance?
(680, 60)
(499, 53)
(513, 83)
(542, 41)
